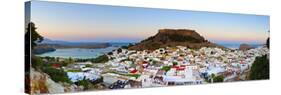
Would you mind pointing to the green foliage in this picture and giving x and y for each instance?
(85, 83)
(213, 75)
(32, 33)
(58, 75)
(134, 75)
(127, 46)
(36, 62)
(88, 65)
(260, 68)
(88, 84)
(74, 70)
(119, 50)
(219, 78)
(127, 59)
(69, 60)
(166, 68)
(175, 63)
(100, 59)
(267, 42)
(154, 62)
(130, 75)
(64, 63)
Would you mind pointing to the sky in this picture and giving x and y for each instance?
(103, 23)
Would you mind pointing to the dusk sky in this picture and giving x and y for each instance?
(100, 23)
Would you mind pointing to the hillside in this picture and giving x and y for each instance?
(174, 37)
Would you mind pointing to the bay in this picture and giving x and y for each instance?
(78, 52)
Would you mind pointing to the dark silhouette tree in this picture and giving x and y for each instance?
(33, 35)
(267, 42)
(30, 37)
(260, 68)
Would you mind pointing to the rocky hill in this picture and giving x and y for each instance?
(245, 47)
(174, 37)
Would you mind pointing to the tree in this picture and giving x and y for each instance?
(219, 78)
(119, 50)
(175, 63)
(37, 62)
(260, 68)
(70, 60)
(166, 68)
(101, 59)
(267, 42)
(33, 35)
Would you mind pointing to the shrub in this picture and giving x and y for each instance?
(85, 83)
(64, 63)
(36, 62)
(88, 65)
(219, 78)
(58, 75)
(175, 63)
(166, 68)
(88, 84)
(74, 70)
(133, 75)
(100, 59)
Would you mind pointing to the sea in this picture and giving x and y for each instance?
(93, 53)
(236, 46)
(82, 53)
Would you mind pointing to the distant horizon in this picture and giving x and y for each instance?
(103, 23)
(220, 43)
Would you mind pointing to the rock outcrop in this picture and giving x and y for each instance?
(174, 37)
(245, 47)
(42, 83)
